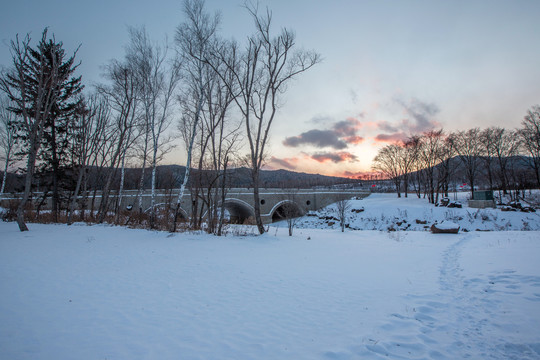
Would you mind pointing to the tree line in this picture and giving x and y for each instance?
(219, 95)
(430, 162)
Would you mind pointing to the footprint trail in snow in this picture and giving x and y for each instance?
(465, 319)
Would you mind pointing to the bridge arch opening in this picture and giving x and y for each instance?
(239, 211)
(286, 210)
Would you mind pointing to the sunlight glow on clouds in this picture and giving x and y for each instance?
(347, 146)
(417, 117)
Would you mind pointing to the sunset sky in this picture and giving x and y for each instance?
(390, 68)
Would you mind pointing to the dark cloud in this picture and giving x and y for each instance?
(317, 138)
(336, 157)
(339, 136)
(421, 116)
(282, 163)
(347, 127)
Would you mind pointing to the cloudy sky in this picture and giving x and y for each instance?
(390, 68)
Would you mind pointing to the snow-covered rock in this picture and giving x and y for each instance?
(445, 227)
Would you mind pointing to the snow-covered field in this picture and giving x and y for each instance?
(102, 292)
(386, 211)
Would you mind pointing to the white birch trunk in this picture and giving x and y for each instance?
(188, 161)
(153, 198)
(190, 147)
(141, 182)
(5, 176)
(141, 187)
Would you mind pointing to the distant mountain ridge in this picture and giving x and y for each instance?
(171, 176)
(241, 177)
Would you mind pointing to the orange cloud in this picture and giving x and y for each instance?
(355, 139)
(370, 124)
(360, 175)
(398, 137)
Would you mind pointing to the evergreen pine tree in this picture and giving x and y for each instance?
(43, 91)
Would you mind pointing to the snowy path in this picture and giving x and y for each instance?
(463, 320)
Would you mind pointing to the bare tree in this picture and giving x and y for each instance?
(104, 155)
(194, 38)
(8, 140)
(343, 206)
(407, 161)
(388, 161)
(468, 145)
(122, 93)
(91, 123)
(499, 146)
(446, 166)
(413, 146)
(530, 136)
(261, 73)
(431, 154)
(38, 80)
(219, 147)
(158, 81)
(506, 146)
(228, 150)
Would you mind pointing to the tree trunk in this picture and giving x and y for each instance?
(140, 191)
(5, 176)
(54, 174)
(153, 196)
(122, 179)
(104, 203)
(406, 185)
(223, 195)
(75, 195)
(27, 183)
(181, 193)
(257, 201)
(190, 150)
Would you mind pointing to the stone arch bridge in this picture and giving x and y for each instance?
(276, 204)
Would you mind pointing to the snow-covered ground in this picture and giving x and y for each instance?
(387, 212)
(102, 292)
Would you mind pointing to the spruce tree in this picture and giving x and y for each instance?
(41, 85)
(58, 131)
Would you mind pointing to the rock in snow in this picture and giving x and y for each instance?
(445, 227)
